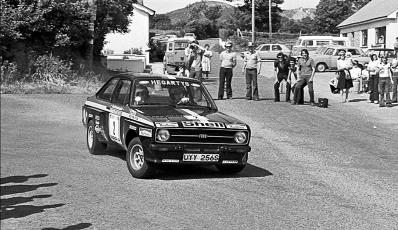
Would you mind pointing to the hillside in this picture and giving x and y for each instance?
(183, 12)
(299, 13)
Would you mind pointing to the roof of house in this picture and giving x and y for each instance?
(375, 9)
(144, 8)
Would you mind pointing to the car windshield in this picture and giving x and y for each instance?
(176, 93)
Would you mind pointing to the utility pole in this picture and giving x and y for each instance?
(270, 21)
(253, 23)
(93, 9)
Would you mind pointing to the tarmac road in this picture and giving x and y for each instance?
(310, 168)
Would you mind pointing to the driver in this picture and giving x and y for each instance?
(141, 95)
(178, 96)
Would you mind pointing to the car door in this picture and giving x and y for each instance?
(264, 51)
(120, 102)
(104, 98)
(327, 57)
(275, 49)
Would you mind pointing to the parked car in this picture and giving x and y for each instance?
(269, 51)
(311, 43)
(381, 52)
(174, 57)
(327, 59)
(160, 119)
(192, 35)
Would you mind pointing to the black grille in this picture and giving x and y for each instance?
(207, 136)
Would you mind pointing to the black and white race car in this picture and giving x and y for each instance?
(162, 119)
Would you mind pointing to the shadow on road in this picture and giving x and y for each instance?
(183, 172)
(72, 227)
(11, 207)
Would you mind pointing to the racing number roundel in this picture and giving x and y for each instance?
(114, 127)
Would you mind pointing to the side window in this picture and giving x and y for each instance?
(353, 51)
(338, 51)
(106, 92)
(122, 94)
(170, 46)
(308, 43)
(329, 52)
(276, 48)
(322, 43)
(265, 48)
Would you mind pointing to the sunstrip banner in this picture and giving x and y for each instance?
(123, 114)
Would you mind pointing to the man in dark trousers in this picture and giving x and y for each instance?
(251, 69)
(281, 67)
(228, 62)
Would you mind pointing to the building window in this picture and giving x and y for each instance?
(364, 38)
(381, 35)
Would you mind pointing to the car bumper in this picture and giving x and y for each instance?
(174, 154)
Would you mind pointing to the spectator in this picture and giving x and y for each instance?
(394, 68)
(251, 69)
(306, 72)
(281, 72)
(344, 78)
(228, 62)
(292, 78)
(396, 46)
(373, 79)
(206, 61)
(385, 81)
(356, 73)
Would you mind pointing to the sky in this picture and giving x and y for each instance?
(165, 6)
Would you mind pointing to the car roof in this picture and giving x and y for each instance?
(181, 39)
(157, 76)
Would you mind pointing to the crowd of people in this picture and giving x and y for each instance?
(379, 76)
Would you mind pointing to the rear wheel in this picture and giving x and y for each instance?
(94, 146)
(321, 67)
(135, 158)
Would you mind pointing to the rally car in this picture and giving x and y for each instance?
(163, 119)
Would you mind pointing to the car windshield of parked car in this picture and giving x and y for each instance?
(176, 93)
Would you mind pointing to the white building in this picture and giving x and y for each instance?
(374, 25)
(138, 37)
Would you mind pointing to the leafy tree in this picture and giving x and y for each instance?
(203, 19)
(161, 21)
(237, 19)
(330, 13)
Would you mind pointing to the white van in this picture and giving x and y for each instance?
(312, 43)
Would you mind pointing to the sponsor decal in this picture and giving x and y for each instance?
(169, 82)
(166, 124)
(143, 82)
(90, 115)
(97, 117)
(229, 161)
(236, 126)
(116, 111)
(145, 132)
(116, 107)
(132, 127)
(133, 114)
(97, 122)
(195, 85)
(98, 129)
(194, 124)
(170, 160)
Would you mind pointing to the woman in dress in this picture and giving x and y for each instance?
(344, 78)
(206, 60)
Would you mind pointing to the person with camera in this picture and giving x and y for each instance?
(196, 56)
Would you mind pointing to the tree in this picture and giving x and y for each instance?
(330, 13)
(161, 21)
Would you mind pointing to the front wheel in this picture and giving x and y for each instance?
(321, 67)
(94, 146)
(135, 158)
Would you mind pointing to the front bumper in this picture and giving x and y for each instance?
(174, 153)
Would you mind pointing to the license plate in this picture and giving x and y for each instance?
(200, 157)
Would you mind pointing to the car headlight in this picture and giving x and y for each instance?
(163, 135)
(240, 137)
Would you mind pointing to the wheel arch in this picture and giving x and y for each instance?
(131, 134)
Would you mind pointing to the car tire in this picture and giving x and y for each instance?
(94, 146)
(230, 169)
(321, 67)
(135, 158)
